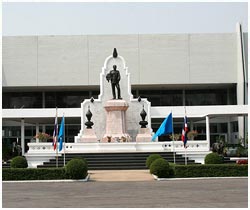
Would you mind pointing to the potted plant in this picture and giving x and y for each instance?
(43, 137)
(192, 134)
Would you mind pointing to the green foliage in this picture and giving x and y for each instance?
(76, 168)
(211, 170)
(33, 173)
(6, 152)
(151, 159)
(172, 169)
(83, 159)
(241, 151)
(213, 158)
(18, 162)
(161, 168)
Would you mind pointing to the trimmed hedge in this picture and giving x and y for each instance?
(213, 158)
(18, 162)
(76, 168)
(161, 168)
(33, 174)
(210, 170)
(151, 159)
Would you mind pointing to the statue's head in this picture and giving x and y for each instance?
(114, 67)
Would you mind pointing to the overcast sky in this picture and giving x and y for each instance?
(122, 18)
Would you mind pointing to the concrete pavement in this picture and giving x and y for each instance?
(120, 175)
(199, 193)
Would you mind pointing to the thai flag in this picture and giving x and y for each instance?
(184, 132)
(55, 133)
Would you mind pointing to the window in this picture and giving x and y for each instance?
(163, 97)
(206, 97)
(22, 100)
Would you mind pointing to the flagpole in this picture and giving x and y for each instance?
(185, 134)
(56, 141)
(173, 136)
(185, 156)
(64, 141)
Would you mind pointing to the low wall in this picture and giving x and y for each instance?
(42, 152)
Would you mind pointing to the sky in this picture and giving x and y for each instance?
(81, 18)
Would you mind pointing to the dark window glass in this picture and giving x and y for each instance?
(133, 92)
(66, 99)
(206, 97)
(94, 94)
(49, 129)
(163, 97)
(30, 131)
(22, 100)
(232, 96)
(50, 99)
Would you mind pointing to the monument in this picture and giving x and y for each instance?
(116, 114)
(112, 122)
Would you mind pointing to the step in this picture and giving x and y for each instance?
(123, 160)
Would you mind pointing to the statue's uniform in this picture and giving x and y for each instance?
(115, 78)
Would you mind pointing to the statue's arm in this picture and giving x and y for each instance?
(119, 76)
(108, 77)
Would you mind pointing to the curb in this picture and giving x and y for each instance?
(197, 178)
(50, 181)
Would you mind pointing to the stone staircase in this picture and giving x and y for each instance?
(115, 161)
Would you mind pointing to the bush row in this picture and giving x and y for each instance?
(76, 168)
(211, 170)
(33, 173)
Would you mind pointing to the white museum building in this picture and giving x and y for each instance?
(204, 74)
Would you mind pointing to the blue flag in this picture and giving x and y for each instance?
(165, 128)
(61, 134)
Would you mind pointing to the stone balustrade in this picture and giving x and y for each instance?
(123, 146)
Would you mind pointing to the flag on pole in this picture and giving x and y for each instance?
(55, 133)
(165, 128)
(61, 134)
(184, 132)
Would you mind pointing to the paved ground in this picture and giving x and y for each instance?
(121, 193)
(120, 175)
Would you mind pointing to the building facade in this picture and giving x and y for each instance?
(204, 73)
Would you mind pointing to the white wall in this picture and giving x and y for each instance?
(151, 59)
(19, 61)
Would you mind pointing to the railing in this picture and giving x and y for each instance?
(196, 145)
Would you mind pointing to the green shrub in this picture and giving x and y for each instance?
(172, 169)
(161, 168)
(211, 170)
(33, 173)
(151, 159)
(213, 158)
(18, 162)
(76, 169)
(84, 160)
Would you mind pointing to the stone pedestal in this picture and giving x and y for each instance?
(116, 121)
(89, 136)
(144, 135)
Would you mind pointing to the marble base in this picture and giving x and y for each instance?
(116, 121)
(144, 135)
(89, 136)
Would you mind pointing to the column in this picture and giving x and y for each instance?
(43, 99)
(229, 131)
(241, 77)
(37, 131)
(208, 132)
(22, 136)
